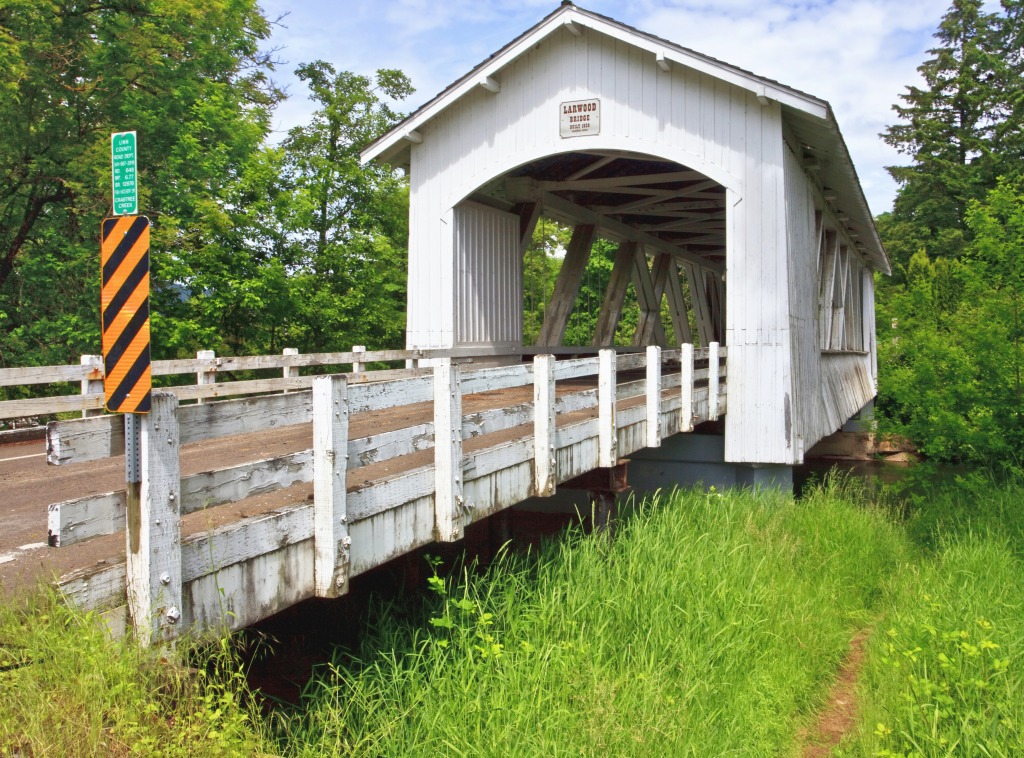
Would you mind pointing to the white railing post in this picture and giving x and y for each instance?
(154, 527)
(358, 367)
(206, 375)
(713, 381)
(686, 388)
(91, 385)
(290, 372)
(545, 463)
(608, 446)
(653, 396)
(331, 541)
(448, 500)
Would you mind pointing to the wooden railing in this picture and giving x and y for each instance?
(211, 371)
(363, 514)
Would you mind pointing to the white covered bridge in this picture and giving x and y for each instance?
(737, 212)
(697, 169)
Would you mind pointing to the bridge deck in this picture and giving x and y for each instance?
(254, 554)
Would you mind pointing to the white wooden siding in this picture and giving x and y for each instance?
(488, 277)
(683, 115)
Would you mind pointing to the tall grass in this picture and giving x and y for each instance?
(945, 675)
(711, 625)
(66, 689)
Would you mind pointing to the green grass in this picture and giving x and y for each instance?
(945, 672)
(67, 690)
(712, 625)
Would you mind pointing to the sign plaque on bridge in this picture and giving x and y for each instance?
(579, 118)
(124, 165)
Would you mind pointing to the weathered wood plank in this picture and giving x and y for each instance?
(544, 425)
(72, 521)
(713, 381)
(210, 552)
(331, 540)
(499, 378)
(154, 527)
(448, 499)
(75, 520)
(84, 439)
(686, 389)
(244, 416)
(653, 396)
(608, 450)
(44, 406)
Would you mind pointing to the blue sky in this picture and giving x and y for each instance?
(857, 54)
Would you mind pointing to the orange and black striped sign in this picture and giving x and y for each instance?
(124, 301)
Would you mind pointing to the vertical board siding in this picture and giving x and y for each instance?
(488, 277)
(808, 419)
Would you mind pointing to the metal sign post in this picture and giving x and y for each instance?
(124, 310)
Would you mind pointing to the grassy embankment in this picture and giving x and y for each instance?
(713, 624)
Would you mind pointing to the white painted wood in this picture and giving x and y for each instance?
(358, 366)
(94, 384)
(154, 528)
(46, 405)
(608, 454)
(207, 374)
(72, 521)
(81, 440)
(263, 564)
(289, 372)
(653, 396)
(448, 499)
(544, 425)
(686, 389)
(243, 416)
(488, 277)
(567, 286)
(330, 466)
(713, 380)
(498, 378)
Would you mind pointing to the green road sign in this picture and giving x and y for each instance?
(123, 162)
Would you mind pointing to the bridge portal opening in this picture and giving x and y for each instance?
(639, 234)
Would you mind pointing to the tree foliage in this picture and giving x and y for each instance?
(950, 319)
(255, 247)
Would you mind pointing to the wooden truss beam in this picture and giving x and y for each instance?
(524, 191)
(615, 295)
(567, 286)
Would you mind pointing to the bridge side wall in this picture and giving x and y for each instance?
(828, 387)
(681, 115)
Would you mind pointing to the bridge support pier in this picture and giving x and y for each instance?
(687, 459)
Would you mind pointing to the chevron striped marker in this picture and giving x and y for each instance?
(124, 301)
